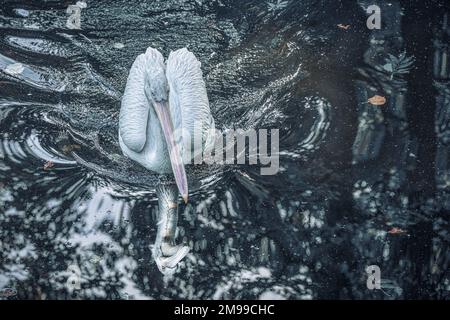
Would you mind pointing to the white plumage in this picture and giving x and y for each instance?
(146, 124)
(139, 137)
(188, 101)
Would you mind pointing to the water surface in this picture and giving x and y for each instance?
(347, 195)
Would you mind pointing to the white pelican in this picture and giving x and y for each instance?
(164, 110)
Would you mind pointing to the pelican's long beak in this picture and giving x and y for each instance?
(162, 111)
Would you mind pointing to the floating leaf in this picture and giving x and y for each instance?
(377, 100)
(49, 164)
(396, 230)
(343, 26)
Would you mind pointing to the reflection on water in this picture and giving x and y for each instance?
(356, 183)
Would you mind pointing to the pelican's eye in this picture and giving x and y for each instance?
(153, 93)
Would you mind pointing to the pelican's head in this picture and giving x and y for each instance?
(156, 89)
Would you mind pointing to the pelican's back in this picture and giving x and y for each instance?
(189, 103)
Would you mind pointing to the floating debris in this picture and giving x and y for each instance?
(14, 69)
(396, 230)
(343, 26)
(49, 164)
(377, 100)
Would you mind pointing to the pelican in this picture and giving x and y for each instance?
(164, 109)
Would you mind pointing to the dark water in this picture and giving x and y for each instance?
(359, 184)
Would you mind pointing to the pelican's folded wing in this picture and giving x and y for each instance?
(134, 110)
(189, 105)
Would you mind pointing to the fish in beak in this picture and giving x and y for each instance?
(163, 113)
